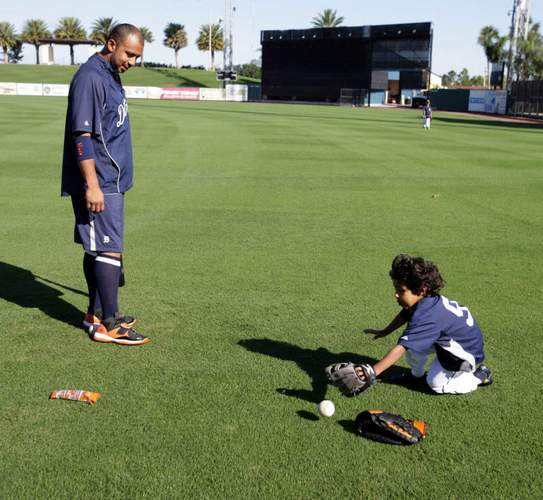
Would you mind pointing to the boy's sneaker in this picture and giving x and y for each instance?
(113, 330)
(484, 374)
(92, 322)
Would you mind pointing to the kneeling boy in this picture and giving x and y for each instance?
(435, 325)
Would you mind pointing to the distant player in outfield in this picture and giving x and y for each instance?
(436, 326)
(97, 171)
(427, 115)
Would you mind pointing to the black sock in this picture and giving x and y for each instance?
(107, 271)
(88, 270)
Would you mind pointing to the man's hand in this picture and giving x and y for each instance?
(377, 333)
(95, 199)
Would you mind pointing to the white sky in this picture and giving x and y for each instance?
(456, 23)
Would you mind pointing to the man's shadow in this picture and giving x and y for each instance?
(313, 362)
(24, 288)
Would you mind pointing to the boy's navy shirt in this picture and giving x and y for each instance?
(97, 104)
(443, 323)
(427, 110)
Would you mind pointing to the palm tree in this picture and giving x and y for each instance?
(71, 29)
(15, 54)
(101, 28)
(498, 52)
(213, 43)
(7, 38)
(487, 39)
(35, 30)
(328, 19)
(529, 57)
(175, 37)
(148, 37)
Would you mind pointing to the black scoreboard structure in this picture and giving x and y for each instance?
(319, 64)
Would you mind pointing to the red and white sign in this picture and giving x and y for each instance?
(181, 93)
(8, 88)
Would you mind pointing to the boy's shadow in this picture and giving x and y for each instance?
(21, 286)
(313, 362)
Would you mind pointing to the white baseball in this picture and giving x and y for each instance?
(326, 408)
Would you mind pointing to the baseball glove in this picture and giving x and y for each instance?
(349, 378)
(389, 428)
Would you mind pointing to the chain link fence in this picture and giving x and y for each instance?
(526, 99)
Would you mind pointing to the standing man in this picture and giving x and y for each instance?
(97, 170)
(427, 115)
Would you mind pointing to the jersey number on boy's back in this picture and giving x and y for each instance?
(457, 310)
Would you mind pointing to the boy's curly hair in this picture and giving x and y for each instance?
(417, 274)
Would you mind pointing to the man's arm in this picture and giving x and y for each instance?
(391, 357)
(93, 195)
(396, 323)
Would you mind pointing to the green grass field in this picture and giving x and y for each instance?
(147, 77)
(258, 243)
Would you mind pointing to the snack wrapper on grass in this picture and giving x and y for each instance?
(75, 395)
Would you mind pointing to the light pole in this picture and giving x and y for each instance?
(228, 19)
(520, 21)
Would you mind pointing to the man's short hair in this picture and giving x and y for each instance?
(122, 31)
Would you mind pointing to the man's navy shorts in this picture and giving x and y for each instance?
(100, 232)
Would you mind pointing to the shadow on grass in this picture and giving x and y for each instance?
(308, 415)
(348, 426)
(313, 362)
(488, 122)
(20, 286)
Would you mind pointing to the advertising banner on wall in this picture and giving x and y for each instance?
(236, 92)
(181, 93)
(8, 88)
(55, 90)
(29, 89)
(488, 101)
(135, 92)
(212, 94)
(154, 92)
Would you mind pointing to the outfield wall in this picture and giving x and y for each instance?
(472, 101)
(237, 93)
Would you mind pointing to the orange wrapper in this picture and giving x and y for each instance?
(75, 395)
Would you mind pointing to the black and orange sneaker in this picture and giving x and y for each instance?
(113, 330)
(91, 322)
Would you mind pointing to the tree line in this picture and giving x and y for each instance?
(71, 32)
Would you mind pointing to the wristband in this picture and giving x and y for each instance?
(84, 149)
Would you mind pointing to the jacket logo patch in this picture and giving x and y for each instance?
(123, 112)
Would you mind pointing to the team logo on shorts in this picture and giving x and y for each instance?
(106, 239)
